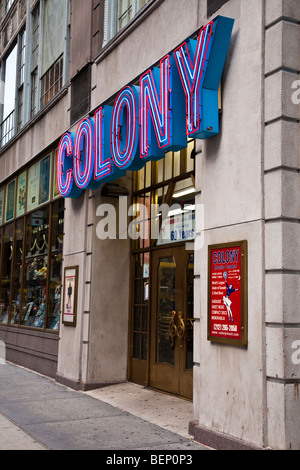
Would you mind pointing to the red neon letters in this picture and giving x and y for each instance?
(173, 101)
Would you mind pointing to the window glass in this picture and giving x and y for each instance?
(8, 4)
(10, 201)
(21, 194)
(7, 250)
(35, 37)
(1, 205)
(125, 12)
(118, 13)
(35, 269)
(10, 83)
(55, 269)
(39, 183)
(17, 272)
(54, 33)
(34, 92)
(8, 123)
(52, 81)
(31, 249)
(141, 305)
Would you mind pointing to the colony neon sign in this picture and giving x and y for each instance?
(173, 102)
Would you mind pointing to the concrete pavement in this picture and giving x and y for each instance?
(36, 413)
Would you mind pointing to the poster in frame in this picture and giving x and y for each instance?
(227, 294)
(10, 200)
(70, 290)
(2, 193)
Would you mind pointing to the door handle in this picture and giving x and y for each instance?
(177, 328)
(180, 329)
(173, 328)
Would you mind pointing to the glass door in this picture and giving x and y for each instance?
(171, 364)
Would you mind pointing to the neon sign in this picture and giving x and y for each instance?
(177, 100)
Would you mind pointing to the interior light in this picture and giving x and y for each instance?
(184, 192)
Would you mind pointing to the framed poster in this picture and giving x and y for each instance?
(69, 307)
(39, 183)
(44, 186)
(10, 201)
(1, 205)
(227, 294)
(33, 186)
(21, 194)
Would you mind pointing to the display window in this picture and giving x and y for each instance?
(31, 248)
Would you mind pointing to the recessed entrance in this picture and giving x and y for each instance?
(161, 327)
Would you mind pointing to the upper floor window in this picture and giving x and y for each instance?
(10, 77)
(36, 67)
(8, 4)
(118, 13)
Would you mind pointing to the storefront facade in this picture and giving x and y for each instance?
(199, 302)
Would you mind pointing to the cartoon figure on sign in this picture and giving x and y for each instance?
(69, 304)
(226, 300)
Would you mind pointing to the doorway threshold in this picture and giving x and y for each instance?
(164, 410)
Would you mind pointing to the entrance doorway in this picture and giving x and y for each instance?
(171, 349)
(162, 276)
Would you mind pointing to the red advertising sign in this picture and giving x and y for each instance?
(227, 303)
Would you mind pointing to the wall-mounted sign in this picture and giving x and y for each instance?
(69, 307)
(173, 102)
(227, 293)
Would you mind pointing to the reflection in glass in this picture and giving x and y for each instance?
(7, 251)
(17, 273)
(35, 269)
(141, 306)
(165, 307)
(190, 313)
(56, 265)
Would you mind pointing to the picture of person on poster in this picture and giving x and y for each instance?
(227, 302)
(70, 290)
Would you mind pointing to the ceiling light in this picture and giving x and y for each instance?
(184, 192)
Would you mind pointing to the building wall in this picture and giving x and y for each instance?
(248, 181)
(282, 213)
(229, 381)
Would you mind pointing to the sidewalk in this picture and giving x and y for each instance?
(36, 413)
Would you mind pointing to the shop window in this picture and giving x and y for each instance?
(31, 249)
(17, 265)
(35, 269)
(55, 268)
(6, 266)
